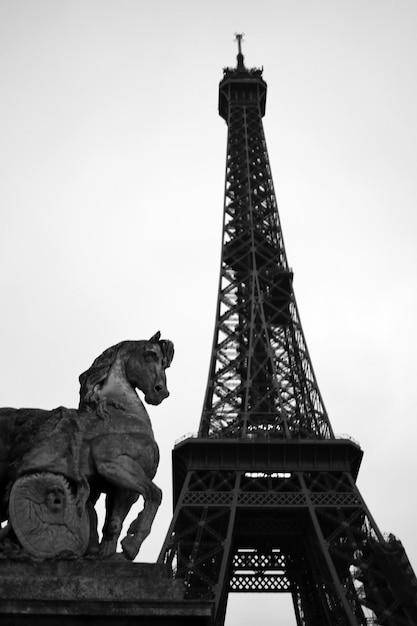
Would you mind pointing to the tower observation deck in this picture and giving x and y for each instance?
(265, 496)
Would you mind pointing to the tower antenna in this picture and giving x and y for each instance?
(240, 58)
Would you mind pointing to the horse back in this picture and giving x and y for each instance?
(7, 427)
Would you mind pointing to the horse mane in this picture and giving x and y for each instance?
(95, 375)
(167, 349)
(166, 346)
(91, 380)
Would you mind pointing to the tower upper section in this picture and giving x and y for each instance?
(261, 381)
(241, 86)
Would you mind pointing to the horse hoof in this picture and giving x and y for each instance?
(93, 551)
(106, 549)
(130, 548)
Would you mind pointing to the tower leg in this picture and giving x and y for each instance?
(222, 587)
(341, 606)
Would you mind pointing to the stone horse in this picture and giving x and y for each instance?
(106, 446)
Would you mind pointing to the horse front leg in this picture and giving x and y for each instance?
(125, 473)
(141, 526)
(118, 505)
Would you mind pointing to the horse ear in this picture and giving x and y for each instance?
(156, 337)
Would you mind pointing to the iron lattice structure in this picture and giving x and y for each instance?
(261, 380)
(265, 496)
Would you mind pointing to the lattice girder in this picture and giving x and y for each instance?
(261, 379)
(307, 530)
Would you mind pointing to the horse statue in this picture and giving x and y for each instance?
(54, 465)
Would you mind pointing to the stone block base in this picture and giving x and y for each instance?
(85, 592)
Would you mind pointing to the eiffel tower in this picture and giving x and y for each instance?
(265, 496)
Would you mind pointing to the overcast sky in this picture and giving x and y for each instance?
(112, 172)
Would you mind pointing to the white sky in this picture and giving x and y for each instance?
(112, 171)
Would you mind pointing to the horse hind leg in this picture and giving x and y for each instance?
(141, 526)
(118, 505)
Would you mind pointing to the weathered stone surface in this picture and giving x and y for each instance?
(83, 591)
(55, 464)
(85, 579)
(46, 517)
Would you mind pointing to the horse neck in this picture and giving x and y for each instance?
(118, 389)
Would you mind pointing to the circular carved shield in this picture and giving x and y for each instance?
(47, 516)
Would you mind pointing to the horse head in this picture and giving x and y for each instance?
(146, 362)
(143, 364)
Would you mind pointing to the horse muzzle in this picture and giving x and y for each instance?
(156, 395)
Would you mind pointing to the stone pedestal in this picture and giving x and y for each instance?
(84, 592)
